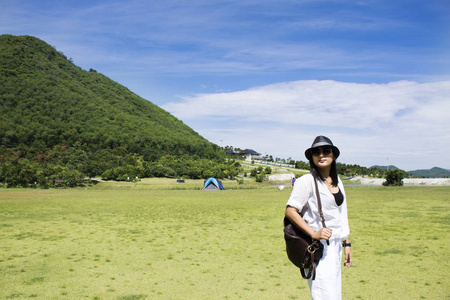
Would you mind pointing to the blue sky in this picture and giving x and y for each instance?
(373, 75)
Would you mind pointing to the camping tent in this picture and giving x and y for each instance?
(212, 184)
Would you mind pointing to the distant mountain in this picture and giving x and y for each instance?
(434, 173)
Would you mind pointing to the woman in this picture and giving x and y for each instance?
(303, 211)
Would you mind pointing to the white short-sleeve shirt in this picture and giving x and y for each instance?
(303, 198)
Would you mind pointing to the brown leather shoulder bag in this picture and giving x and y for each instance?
(302, 250)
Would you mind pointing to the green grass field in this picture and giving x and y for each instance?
(132, 243)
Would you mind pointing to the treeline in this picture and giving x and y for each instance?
(342, 169)
(347, 169)
(71, 166)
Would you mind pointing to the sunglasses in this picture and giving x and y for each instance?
(325, 151)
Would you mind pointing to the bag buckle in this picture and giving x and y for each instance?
(313, 247)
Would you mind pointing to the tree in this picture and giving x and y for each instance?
(260, 177)
(302, 165)
(394, 177)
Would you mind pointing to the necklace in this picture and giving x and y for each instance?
(328, 181)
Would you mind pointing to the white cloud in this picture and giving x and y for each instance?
(402, 122)
(324, 103)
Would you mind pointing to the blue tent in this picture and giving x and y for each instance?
(212, 184)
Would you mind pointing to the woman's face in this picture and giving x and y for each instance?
(322, 156)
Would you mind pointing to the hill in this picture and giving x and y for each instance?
(432, 173)
(55, 113)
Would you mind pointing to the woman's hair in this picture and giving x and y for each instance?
(333, 172)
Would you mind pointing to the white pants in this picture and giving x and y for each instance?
(327, 285)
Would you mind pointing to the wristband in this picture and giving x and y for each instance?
(346, 244)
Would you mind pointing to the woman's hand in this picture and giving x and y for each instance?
(348, 257)
(322, 234)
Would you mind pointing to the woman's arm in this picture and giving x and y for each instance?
(297, 220)
(348, 253)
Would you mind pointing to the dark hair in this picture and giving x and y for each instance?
(333, 172)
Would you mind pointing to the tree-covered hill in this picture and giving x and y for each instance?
(54, 114)
(433, 172)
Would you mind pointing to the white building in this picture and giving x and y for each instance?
(252, 155)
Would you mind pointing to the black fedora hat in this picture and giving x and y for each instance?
(322, 141)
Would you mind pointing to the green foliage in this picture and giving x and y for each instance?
(260, 177)
(23, 173)
(56, 114)
(302, 165)
(394, 177)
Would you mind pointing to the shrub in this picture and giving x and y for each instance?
(260, 177)
(394, 177)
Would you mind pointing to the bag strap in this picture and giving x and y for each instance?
(319, 204)
(312, 268)
(311, 272)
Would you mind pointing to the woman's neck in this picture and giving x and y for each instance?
(324, 172)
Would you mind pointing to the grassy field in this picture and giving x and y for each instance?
(159, 243)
